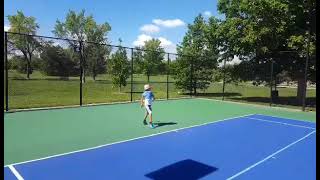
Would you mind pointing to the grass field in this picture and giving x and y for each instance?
(47, 91)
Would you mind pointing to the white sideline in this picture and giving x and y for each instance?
(100, 146)
(288, 118)
(250, 104)
(15, 172)
(268, 157)
(287, 124)
(85, 105)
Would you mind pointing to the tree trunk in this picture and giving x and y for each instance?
(301, 88)
(94, 73)
(29, 70)
(119, 88)
(28, 67)
(194, 87)
(83, 76)
(148, 77)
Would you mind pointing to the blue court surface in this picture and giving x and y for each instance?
(247, 147)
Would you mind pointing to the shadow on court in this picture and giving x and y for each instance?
(186, 169)
(159, 124)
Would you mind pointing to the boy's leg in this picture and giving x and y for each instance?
(149, 111)
(150, 118)
(145, 117)
(151, 124)
(150, 115)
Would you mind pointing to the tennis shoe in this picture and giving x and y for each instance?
(151, 126)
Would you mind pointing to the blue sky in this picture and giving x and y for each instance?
(132, 21)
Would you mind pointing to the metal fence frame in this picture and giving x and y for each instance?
(81, 49)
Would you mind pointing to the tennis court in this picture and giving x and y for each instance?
(194, 139)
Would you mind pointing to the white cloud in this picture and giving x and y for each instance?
(172, 48)
(6, 27)
(141, 39)
(207, 14)
(170, 23)
(56, 44)
(150, 28)
(166, 44)
(234, 61)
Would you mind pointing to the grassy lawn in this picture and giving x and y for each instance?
(246, 92)
(45, 91)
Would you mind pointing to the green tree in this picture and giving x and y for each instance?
(262, 31)
(27, 45)
(153, 57)
(84, 28)
(56, 61)
(119, 67)
(197, 57)
(96, 52)
(138, 61)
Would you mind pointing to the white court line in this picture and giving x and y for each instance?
(84, 105)
(100, 146)
(257, 105)
(15, 172)
(287, 124)
(311, 122)
(268, 157)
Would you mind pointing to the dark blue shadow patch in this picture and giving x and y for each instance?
(187, 170)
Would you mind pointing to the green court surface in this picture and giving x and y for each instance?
(37, 134)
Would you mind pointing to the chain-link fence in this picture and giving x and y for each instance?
(41, 71)
(101, 83)
(276, 80)
(293, 74)
(248, 81)
(49, 72)
(311, 84)
(46, 72)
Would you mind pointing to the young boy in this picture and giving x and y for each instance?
(146, 101)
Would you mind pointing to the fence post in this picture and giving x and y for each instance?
(168, 72)
(6, 66)
(81, 71)
(191, 75)
(131, 74)
(224, 78)
(271, 81)
(306, 69)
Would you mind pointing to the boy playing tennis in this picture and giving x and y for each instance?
(146, 101)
